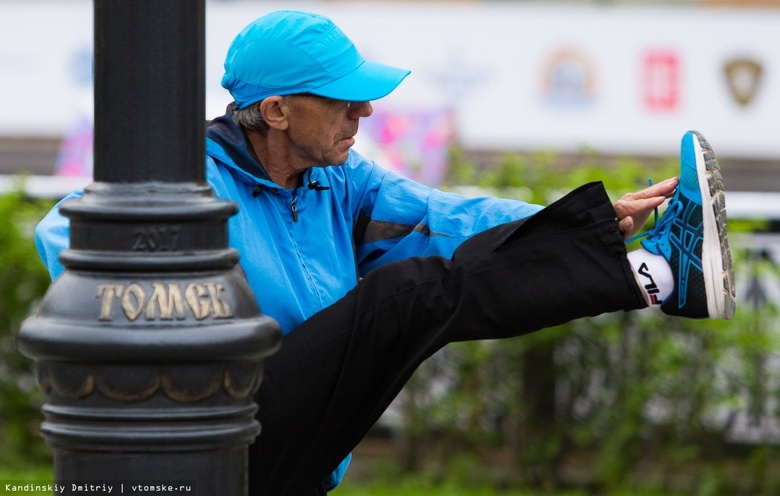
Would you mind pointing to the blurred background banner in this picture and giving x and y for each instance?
(413, 142)
(617, 78)
(75, 156)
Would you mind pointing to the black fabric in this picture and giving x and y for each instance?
(335, 374)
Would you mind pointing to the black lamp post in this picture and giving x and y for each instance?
(150, 344)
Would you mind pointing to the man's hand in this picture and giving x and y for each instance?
(633, 209)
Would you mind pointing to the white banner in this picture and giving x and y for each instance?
(619, 79)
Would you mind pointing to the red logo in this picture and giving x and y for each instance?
(661, 80)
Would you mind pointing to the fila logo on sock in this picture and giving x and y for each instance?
(652, 288)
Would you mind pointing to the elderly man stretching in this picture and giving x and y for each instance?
(370, 273)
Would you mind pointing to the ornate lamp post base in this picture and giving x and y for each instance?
(150, 345)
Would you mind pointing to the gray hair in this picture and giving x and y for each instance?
(250, 117)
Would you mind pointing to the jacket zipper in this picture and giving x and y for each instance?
(294, 208)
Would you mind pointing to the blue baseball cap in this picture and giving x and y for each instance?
(290, 51)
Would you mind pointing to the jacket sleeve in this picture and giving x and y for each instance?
(52, 235)
(398, 218)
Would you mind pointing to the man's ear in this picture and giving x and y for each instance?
(274, 111)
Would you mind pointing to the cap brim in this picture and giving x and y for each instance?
(370, 81)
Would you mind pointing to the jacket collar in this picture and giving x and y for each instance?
(231, 144)
(231, 138)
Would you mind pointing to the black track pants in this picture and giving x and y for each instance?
(336, 373)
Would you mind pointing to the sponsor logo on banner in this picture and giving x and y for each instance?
(661, 80)
(568, 78)
(458, 77)
(743, 77)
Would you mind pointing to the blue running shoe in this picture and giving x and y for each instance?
(692, 236)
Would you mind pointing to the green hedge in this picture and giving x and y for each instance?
(23, 280)
(631, 400)
(622, 402)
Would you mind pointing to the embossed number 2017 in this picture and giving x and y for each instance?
(156, 238)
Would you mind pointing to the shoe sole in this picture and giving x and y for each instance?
(716, 256)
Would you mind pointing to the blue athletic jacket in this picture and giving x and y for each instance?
(302, 249)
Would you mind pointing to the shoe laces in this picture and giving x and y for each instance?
(672, 210)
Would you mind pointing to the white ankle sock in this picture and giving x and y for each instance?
(653, 274)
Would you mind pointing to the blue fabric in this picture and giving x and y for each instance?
(289, 51)
(369, 217)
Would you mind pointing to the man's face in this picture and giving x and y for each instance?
(322, 130)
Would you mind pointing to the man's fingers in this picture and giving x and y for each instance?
(630, 207)
(633, 209)
(664, 188)
(626, 226)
